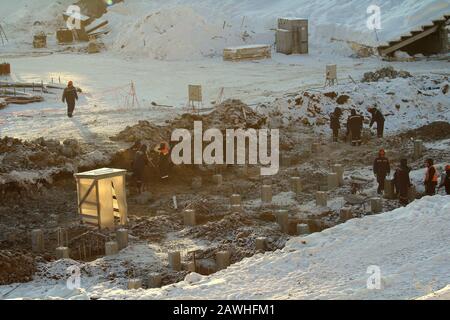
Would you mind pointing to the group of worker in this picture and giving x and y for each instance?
(355, 124)
(142, 164)
(402, 181)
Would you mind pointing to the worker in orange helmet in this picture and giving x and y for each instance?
(445, 180)
(381, 169)
(431, 178)
(70, 97)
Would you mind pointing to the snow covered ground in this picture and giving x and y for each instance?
(409, 245)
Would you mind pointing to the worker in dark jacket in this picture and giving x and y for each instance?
(140, 165)
(431, 178)
(402, 182)
(445, 180)
(70, 96)
(335, 123)
(377, 117)
(381, 169)
(354, 127)
(164, 160)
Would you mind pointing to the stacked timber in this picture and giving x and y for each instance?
(250, 52)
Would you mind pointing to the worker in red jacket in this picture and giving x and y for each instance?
(431, 178)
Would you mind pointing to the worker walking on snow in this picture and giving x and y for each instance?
(354, 127)
(335, 123)
(402, 182)
(70, 97)
(164, 160)
(431, 178)
(377, 117)
(381, 169)
(445, 180)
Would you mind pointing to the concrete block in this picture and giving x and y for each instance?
(376, 205)
(134, 284)
(332, 181)
(261, 244)
(315, 147)
(296, 185)
(345, 214)
(389, 190)
(154, 280)
(235, 199)
(111, 248)
(321, 199)
(302, 229)
(283, 220)
(222, 260)
(266, 194)
(175, 260)
(37, 241)
(62, 253)
(189, 217)
(197, 182)
(339, 170)
(218, 179)
(122, 238)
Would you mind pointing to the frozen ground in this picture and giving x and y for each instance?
(409, 245)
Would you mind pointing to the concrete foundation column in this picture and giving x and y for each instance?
(345, 214)
(197, 183)
(122, 238)
(37, 241)
(218, 179)
(175, 260)
(296, 185)
(283, 220)
(261, 244)
(418, 149)
(266, 194)
(302, 229)
(321, 199)
(189, 217)
(235, 199)
(111, 248)
(376, 205)
(389, 190)
(332, 181)
(222, 260)
(339, 170)
(315, 147)
(154, 280)
(62, 253)
(134, 284)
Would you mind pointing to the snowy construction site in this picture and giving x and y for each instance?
(119, 179)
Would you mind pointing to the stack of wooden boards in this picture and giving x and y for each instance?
(250, 52)
(292, 36)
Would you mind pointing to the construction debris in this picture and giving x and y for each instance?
(252, 52)
(383, 73)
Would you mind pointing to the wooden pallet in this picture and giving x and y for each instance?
(251, 52)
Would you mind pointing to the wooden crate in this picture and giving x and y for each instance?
(284, 41)
(299, 36)
(251, 52)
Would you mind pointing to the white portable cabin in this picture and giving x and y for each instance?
(102, 197)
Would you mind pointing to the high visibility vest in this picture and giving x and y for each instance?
(434, 178)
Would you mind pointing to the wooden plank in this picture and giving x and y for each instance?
(409, 41)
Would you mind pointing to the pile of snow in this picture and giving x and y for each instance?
(409, 245)
(179, 29)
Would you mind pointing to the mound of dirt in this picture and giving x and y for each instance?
(388, 72)
(144, 131)
(438, 130)
(15, 267)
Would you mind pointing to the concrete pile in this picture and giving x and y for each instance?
(383, 73)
